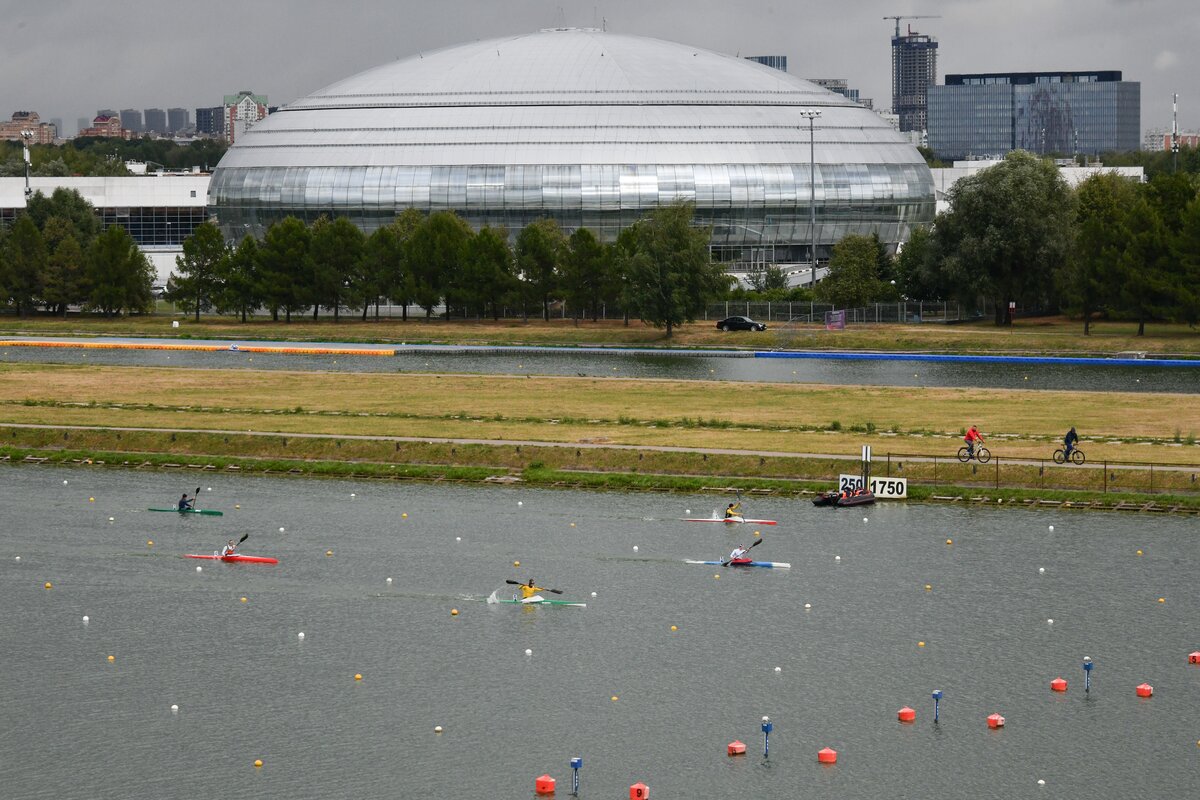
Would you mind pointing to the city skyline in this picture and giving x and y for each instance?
(155, 61)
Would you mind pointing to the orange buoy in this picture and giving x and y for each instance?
(1194, 658)
(736, 748)
(1145, 690)
(544, 784)
(1058, 685)
(639, 791)
(995, 721)
(827, 755)
(906, 714)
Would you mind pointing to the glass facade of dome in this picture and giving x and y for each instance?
(592, 129)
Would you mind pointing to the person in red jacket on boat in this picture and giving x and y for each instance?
(973, 436)
(229, 549)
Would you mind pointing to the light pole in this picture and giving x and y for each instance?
(811, 115)
(26, 136)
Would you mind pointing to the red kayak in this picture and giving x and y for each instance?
(236, 558)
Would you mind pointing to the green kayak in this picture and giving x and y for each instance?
(190, 511)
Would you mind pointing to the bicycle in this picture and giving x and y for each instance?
(1060, 456)
(982, 454)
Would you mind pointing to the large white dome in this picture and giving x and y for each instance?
(590, 127)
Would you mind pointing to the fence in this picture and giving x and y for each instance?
(1143, 477)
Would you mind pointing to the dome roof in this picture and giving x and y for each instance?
(569, 96)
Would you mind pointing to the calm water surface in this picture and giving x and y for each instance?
(1100, 377)
(77, 726)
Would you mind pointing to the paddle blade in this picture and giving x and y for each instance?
(514, 583)
(244, 538)
(556, 591)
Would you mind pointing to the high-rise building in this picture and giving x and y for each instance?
(58, 126)
(1064, 113)
(774, 62)
(131, 120)
(914, 70)
(839, 86)
(211, 121)
(177, 119)
(242, 110)
(80, 124)
(156, 120)
(107, 112)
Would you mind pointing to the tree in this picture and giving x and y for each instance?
(583, 274)
(1008, 227)
(70, 205)
(770, 278)
(671, 276)
(1186, 249)
(198, 282)
(337, 253)
(26, 265)
(853, 278)
(435, 255)
(1146, 288)
(66, 268)
(1088, 277)
(487, 271)
(119, 274)
(539, 252)
(237, 274)
(283, 267)
(918, 273)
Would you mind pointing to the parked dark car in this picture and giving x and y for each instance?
(741, 324)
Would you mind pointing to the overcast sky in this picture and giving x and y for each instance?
(69, 58)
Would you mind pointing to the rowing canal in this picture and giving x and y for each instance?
(695, 365)
(247, 687)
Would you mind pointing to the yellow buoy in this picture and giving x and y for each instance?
(235, 505)
(454, 612)
(572, 524)
(1162, 599)
(614, 698)
(91, 499)
(258, 762)
(328, 552)
(949, 541)
(756, 533)
(516, 563)
(49, 585)
(717, 576)
(149, 543)
(928, 587)
(920, 644)
(112, 659)
(244, 600)
(404, 515)
(674, 628)
(358, 676)
(1139, 552)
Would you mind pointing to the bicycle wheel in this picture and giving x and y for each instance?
(1077, 456)
(964, 455)
(1060, 457)
(984, 455)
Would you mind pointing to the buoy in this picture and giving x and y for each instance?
(458, 538)
(1193, 657)
(613, 698)
(929, 587)
(995, 721)
(91, 499)
(243, 600)
(807, 606)
(572, 524)
(437, 728)
(1058, 685)
(528, 652)
(779, 669)
(112, 659)
(635, 548)
(736, 748)
(352, 494)
(174, 709)
(837, 558)
(149, 543)
(300, 635)
(906, 714)
(49, 585)
(516, 563)
(717, 577)
(1051, 528)
(358, 676)
(112, 519)
(237, 505)
(86, 620)
(673, 628)
(544, 784)
(1145, 690)
(520, 502)
(64, 483)
(593, 594)
(1050, 622)
(864, 519)
(827, 755)
(389, 581)
(281, 530)
(920, 644)
(258, 762)
(1041, 570)
(949, 541)
(1139, 552)
(199, 569)
(454, 612)
(1041, 782)
(328, 552)
(1162, 599)
(639, 791)
(18, 558)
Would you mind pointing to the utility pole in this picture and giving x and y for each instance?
(1175, 133)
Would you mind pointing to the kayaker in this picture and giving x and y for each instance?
(738, 552)
(185, 504)
(228, 549)
(733, 510)
(529, 589)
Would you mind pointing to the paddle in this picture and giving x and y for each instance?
(195, 497)
(518, 583)
(753, 545)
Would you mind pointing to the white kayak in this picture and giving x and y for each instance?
(733, 520)
(536, 600)
(744, 562)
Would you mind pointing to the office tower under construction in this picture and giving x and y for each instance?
(914, 70)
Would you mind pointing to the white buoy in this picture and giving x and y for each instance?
(174, 709)
(85, 619)
(199, 569)
(779, 669)
(437, 728)
(18, 558)
(112, 519)
(864, 519)
(458, 538)
(837, 558)
(528, 652)
(1052, 527)
(807, 606)
(1041, 570)
(300, 635)
(593, 594)
(635, 548)
(389, 580)
(1041, 782)
(520, 502)
(64, 483)
(209, 489)
(1049, 622)
(352, 494)
(281, 530)
(687, 511)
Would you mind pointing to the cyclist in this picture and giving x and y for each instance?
(1069, 442)
(973, 436)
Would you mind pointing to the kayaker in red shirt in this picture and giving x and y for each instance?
(228, 549)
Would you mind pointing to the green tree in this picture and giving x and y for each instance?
(853, 278)
(1087, 279)
(435, 255)
(337, 255)
(583, 274)
(918, 269)
(70, 205)
(119, 274)
(66, 268)
(237, 275)
(198, 283)
(770, 278)
(1007, 229)
(1146, 290)
(539, 253)
(283, 268)
(26, 267)
(671, 276)
(487, 271)
(1186, 248)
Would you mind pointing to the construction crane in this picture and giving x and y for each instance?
(911, 16)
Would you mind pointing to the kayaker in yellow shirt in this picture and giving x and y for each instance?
(733, 510)
(529, 589)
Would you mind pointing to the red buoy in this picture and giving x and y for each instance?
(995, 721)
(827, 755)
(1194, 658)
(1145, 690)
(737, 748)
(639, 791)
(544, 784)
(1058, 685)
(906, 714)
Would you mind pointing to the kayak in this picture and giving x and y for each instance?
(191, 511)
(537, 600)
(734, 520)
(745, 562)
(236, 558)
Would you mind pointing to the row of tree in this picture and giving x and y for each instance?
(55, 255)
(659, 269)
(101, 156)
